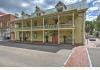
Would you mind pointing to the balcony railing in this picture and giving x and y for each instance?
(26, 28)
(37, 27)
(18, 28)
(66, 25)
(50, 26)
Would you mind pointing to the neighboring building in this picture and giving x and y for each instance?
(4, 25)
(60, 25)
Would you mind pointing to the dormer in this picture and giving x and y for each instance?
(38, 11)
(60, 6)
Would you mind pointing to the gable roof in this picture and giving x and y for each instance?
(38, 9)
(1, 13)
(60, 4)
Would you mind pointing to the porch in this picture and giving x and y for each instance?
(62, 36)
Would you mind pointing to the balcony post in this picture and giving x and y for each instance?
(15, 31)
(73, 19)
(73, 31)
(43, 30)
(31, 31)
(58, 29)
(22, 31)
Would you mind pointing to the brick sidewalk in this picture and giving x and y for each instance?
(79, 58)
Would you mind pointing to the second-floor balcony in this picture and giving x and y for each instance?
(48, 26)
(51, 26)
(37, 27)
(66, 25)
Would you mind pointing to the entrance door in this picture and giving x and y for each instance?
(46, 37)
(12, 36)
(55, 39)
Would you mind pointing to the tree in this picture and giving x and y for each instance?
(97, 24)
(89, 27)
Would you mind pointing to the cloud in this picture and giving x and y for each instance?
(90, 18)
(16, 6)
(3, 10)
(24, 4)
(93, 8)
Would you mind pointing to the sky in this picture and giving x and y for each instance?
(16, 6)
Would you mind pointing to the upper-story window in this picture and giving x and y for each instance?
(35, 23)
(60, 6)
(39, 14)
(56, 21)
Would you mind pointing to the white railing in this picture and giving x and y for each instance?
(66, 25)
(37, 27)
(50, 26)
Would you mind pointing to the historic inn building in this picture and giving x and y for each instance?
(64, 24)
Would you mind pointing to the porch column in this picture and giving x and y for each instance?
(73, 31)
(31, 32)
(15, 31)
(22, 31)
(43, 30)
(58, 29)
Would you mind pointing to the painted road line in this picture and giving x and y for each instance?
(89, 58)
(69, 56)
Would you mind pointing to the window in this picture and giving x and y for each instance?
(35, 23)
(35, 35)
(39, 14)
(60, 9)
(56, 21)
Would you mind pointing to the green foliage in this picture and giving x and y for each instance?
(97, 25)
(89, 27)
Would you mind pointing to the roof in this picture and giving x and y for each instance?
(60, 4)
(1, 13)
(76, 6)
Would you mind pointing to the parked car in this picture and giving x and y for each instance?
(92, 38)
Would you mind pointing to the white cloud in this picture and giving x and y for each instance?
(50, 7)
(90, 18)
(3, 10)
(71, 1)
(37, 2)
(24, 4)
(88, 1)
(96, 1)
(93, 9)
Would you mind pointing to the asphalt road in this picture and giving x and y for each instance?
(19, 57)
(94, 54)
(45, 48)
(96, 43)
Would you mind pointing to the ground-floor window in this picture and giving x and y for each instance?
(35, 35)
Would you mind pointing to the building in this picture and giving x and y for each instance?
(64, 24)
(4, 25)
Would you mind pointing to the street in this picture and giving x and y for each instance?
(93, 43)
(94, 54)
(20, 57)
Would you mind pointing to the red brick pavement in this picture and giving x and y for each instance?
(79, 58)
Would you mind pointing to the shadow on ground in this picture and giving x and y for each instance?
(46, 48)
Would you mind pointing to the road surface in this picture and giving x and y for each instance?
(19, 57)
(94, 54)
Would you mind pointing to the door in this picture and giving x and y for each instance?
(55, 39)
(46, 37)
(12, 36)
